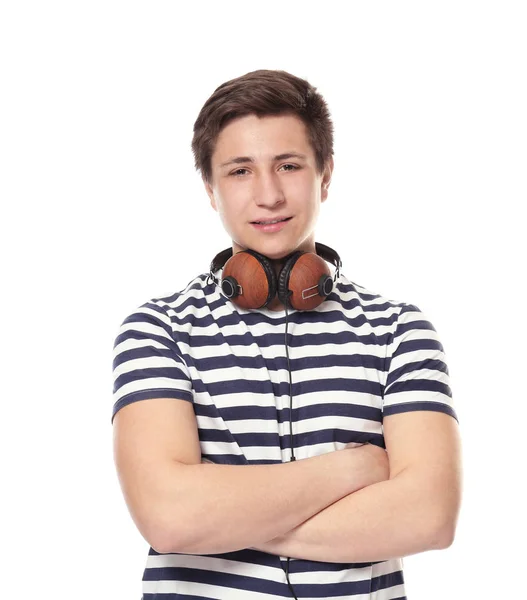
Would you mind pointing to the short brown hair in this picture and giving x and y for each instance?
(263, 92)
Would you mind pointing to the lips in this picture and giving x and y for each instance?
(272, 227)
(263, 222)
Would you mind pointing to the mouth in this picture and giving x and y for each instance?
(271, 222)
(270, 226)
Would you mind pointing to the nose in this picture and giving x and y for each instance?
(268, 189)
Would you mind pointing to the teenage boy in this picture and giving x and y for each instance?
(270, 442)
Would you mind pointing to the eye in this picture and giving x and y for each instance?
(235, 173)
(290, 165)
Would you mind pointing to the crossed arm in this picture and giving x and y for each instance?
(415, 510)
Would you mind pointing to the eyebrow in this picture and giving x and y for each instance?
(249, 159)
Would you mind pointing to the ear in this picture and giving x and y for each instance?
(326, 178)
(210, 194)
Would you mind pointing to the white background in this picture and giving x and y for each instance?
(102, 210)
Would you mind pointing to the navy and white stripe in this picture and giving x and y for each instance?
(356, 357)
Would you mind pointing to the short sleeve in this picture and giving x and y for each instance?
(147, 362)
(417, 377)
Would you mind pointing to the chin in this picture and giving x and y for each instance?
(274, 251)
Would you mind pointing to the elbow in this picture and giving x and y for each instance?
(443, 536)
(179, 523)
(443, 539)
(194, 540)
(449, 534)
(164, 542)
(174, 528)
(447, 531)
(155, 536)
(158, 539)
(444, 521)
(168, 534)
(176, 544)
(180, 537)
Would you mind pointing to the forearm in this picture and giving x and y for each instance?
(223, 508)
(389, 519)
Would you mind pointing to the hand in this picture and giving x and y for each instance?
(369, 460)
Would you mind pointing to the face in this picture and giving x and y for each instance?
(260, 184)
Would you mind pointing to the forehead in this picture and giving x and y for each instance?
(253, 135)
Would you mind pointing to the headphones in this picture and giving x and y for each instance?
(304, 282)
(249, 278)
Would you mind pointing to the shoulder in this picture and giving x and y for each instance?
(170, 303)
(193, 293)
(379, 309)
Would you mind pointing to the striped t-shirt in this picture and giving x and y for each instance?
(354, 358)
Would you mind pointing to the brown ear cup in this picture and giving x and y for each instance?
(305, 281)
(249, 279)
